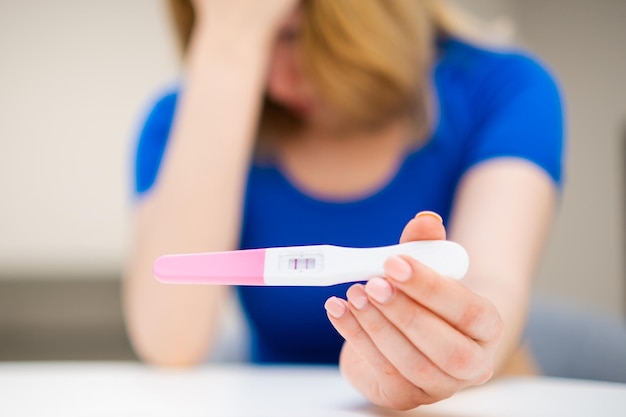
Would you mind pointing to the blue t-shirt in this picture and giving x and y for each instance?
(490, 105)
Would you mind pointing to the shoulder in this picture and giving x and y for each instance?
(161, 107)
(499, 103)
(482, 71)
(157, 117)
(153, 136)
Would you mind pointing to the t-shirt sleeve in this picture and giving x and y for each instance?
(152, 141)
(519, 115)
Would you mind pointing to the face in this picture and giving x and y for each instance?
(287, 81)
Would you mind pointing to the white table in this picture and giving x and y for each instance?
(131, 389)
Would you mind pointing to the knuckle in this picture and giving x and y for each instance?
(441, 392)
(463, 363)
(418, 397)
(409, 319)
(498, 328)
(429, 286)
(473, 315)
(404, 403)
(389, 370)
(404, 399)
(355, 333)
(421, 369)
(486, 375)
(429, 378)
(412, 398)
(432, 385)
(375, 326)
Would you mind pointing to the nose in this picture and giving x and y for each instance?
(281, 78)
(286, 81)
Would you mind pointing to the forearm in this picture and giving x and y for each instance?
(512, 305)
(215, 122)
(503, 215)
(196, 203)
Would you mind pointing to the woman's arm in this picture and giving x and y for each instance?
(196, 204)
(502, 215)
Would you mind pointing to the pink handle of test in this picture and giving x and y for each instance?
(244, 267)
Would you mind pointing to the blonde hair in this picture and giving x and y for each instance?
(371, 58)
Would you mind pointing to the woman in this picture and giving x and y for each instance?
(336, 122)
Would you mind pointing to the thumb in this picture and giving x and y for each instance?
(426, 225)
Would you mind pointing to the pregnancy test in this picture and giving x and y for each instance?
(316, 265)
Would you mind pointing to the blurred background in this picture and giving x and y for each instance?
(77, 78)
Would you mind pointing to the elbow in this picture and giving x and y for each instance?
(165, 346)
(169, 355)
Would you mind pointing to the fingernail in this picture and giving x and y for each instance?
(397, 268)
(429, 213)
(356, 296)
(335, 307)
(379, 289)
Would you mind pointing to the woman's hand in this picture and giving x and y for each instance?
(259, 18)
(415, 337)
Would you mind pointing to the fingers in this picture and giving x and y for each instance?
(372, 335)
(349, 328)
(424, 335)
(426, 225)
(448, 349)
(342, 318)
(471, 314)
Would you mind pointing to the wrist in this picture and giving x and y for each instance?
(232, 39)
(224, 56)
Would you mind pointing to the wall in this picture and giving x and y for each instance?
(75, 79)
(583, 42)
